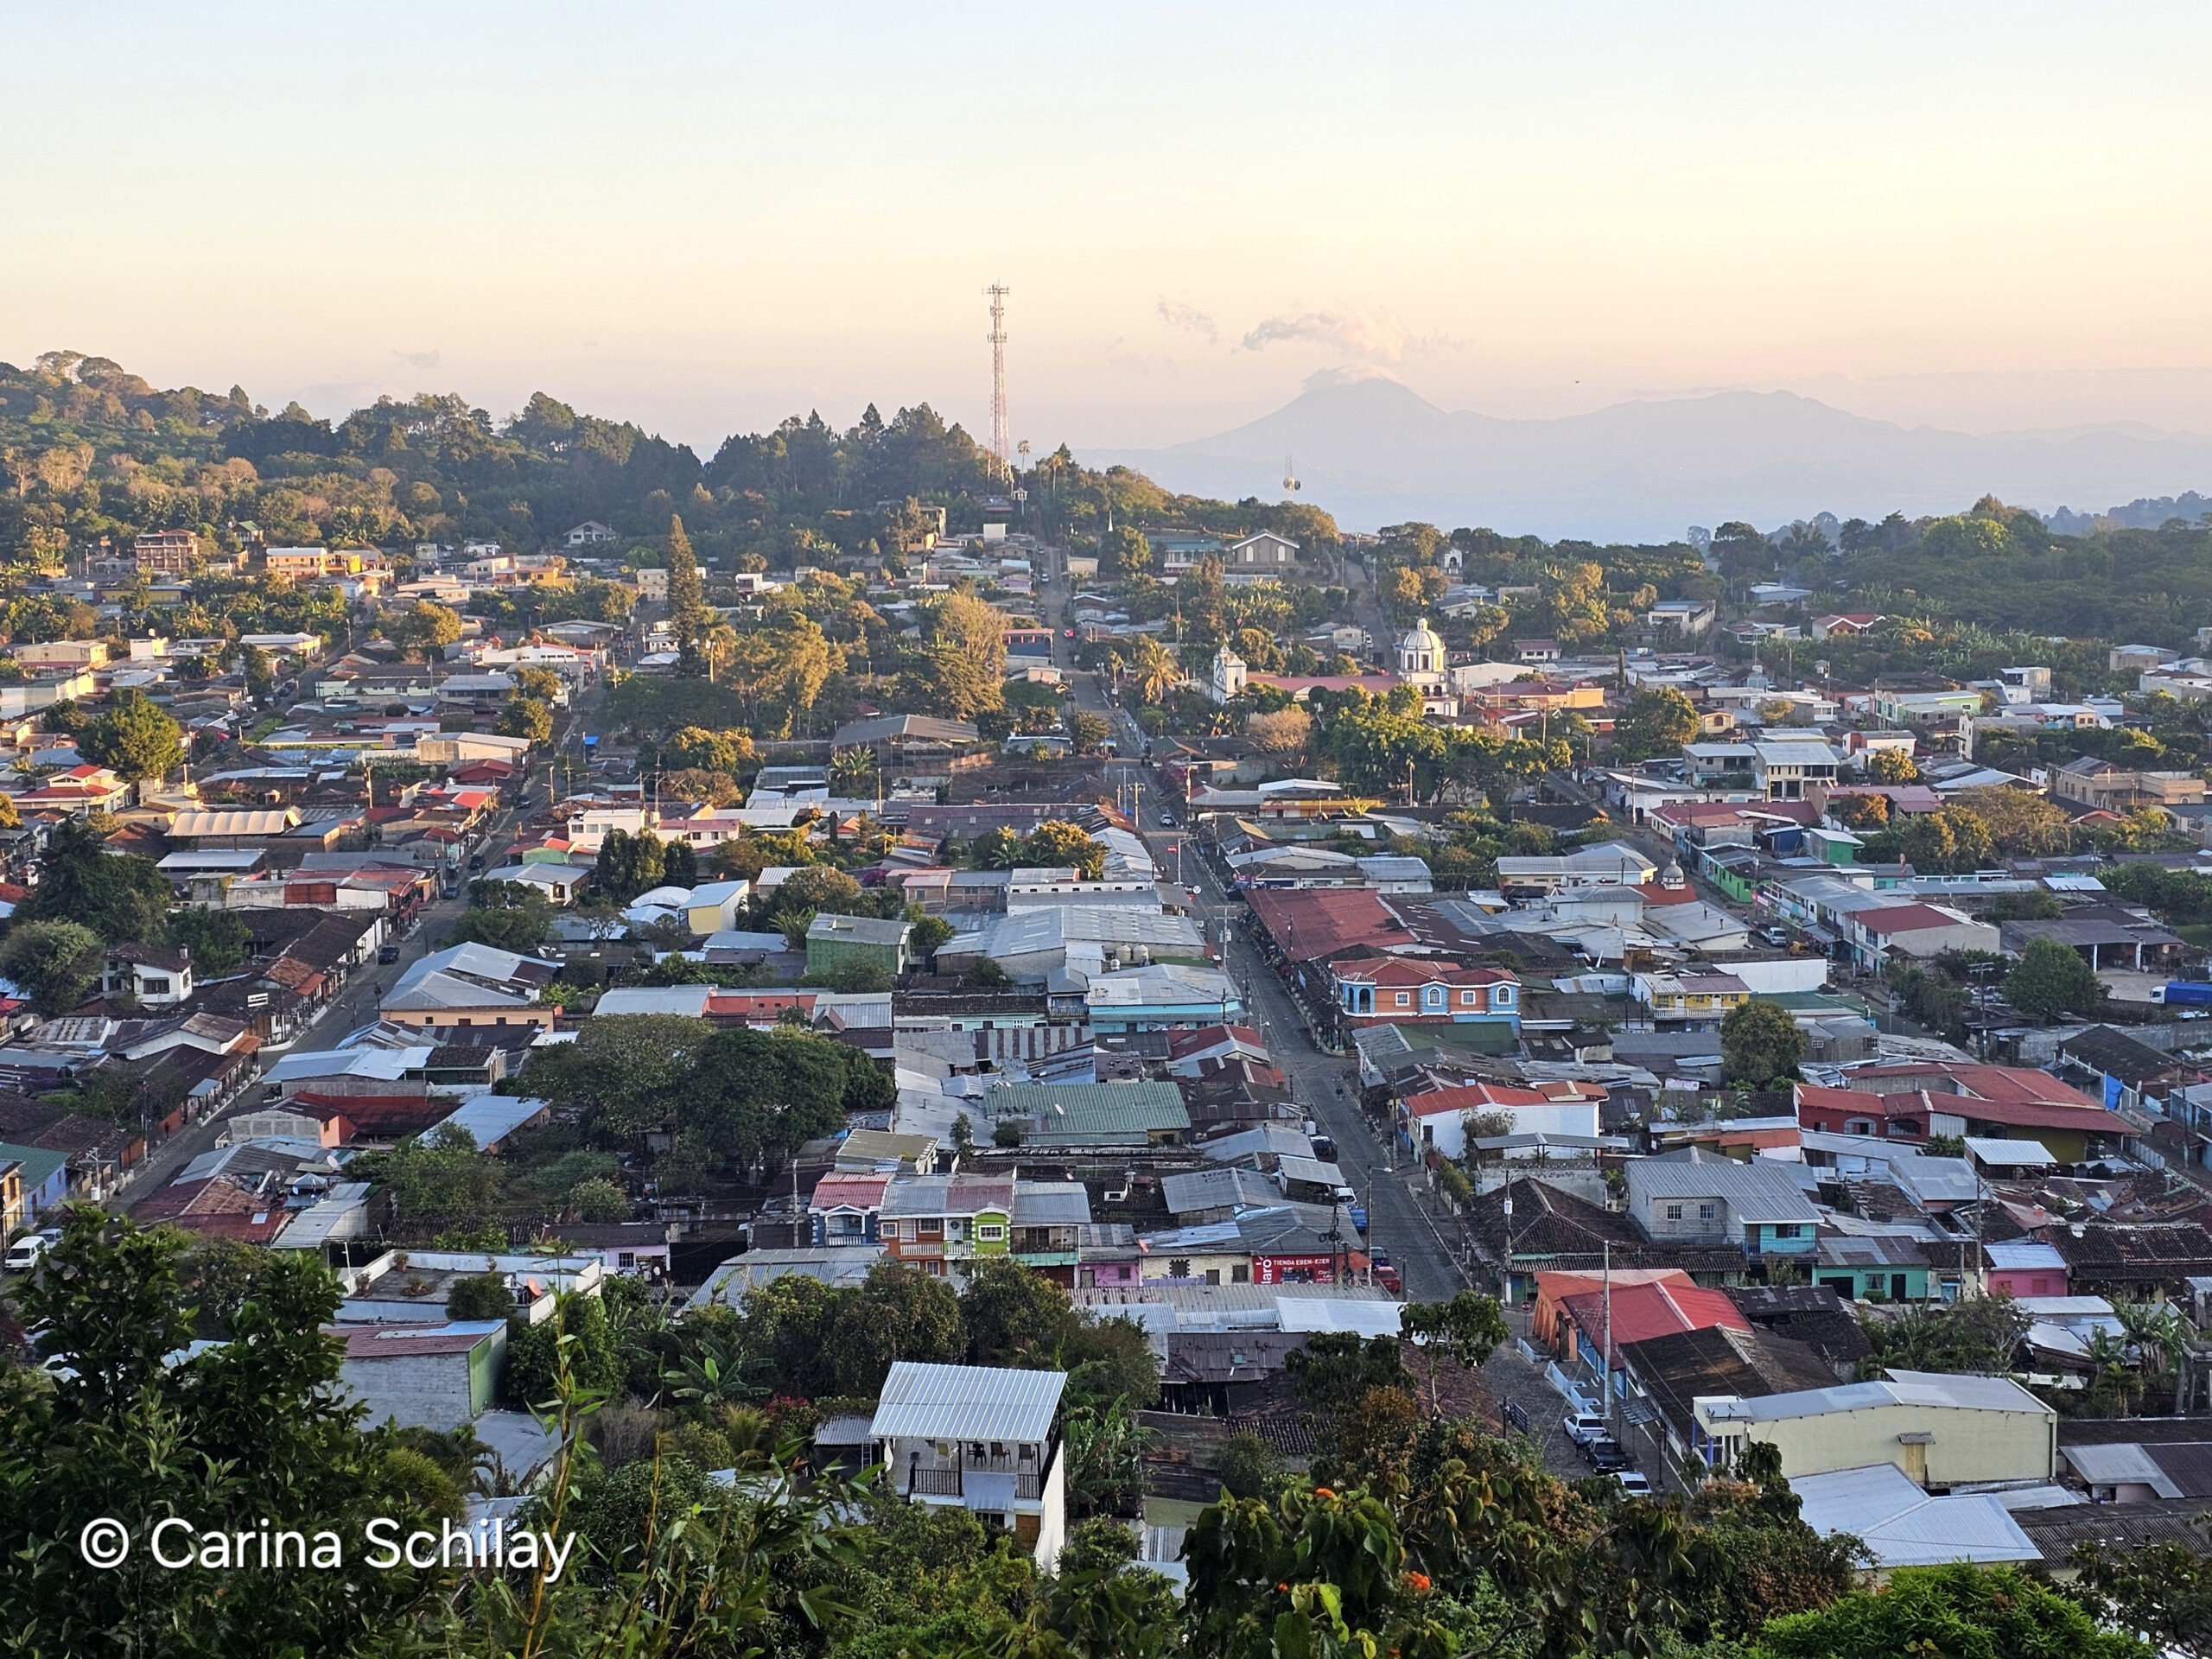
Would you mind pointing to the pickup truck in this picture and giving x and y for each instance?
(1583, 1426)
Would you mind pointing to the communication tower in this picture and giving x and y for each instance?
(999, 446)
(1290, 475)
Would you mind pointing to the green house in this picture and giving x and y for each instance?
(1877, 1269)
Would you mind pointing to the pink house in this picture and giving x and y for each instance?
(2024, 1268)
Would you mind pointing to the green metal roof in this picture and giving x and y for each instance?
(1092, 1111)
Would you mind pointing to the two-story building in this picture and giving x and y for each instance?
(1781, 771)
(1698, 1001)
(1696, 1198)
(980, 1439)
(940, 1224)
(1423, 990)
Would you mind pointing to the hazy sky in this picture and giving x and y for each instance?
(702, 217)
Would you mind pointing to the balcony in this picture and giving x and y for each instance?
(948, 1478)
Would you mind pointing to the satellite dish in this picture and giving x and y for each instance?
(1290, 476)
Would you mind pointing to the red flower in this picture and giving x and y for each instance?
(1417, 1582)
(1323, 1491)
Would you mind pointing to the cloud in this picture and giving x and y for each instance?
(1133, 362)
(1376, 335)
(418, 359)
(1176, 315)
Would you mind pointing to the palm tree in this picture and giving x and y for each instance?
(852, 771)
(1155, 670)
(2155, 1335)
(715, 642)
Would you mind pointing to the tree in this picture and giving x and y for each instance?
(1154, 669)
(695, 749)
(134, 737)
(2050, 980)
(218, 939)
(1124, 549)
(1760, 1044)
(1657, 722)
(1056, 844)
(1957, 1610)
(481, 1296)
(519, 924)
(57, 964)
(1248, 1466)
(119, 896)
(526, 717)
(438, 1180)
(542, 683)
(1281, 736)
(686, 594)
(1466, 1330)
(1891, 767)
(422, 628)
(598, 1200)
(1087, 731)
(1009, 1312)
(621, 1075)
(987, 975)
(853, 771)
(2163, 1590)
(926, 935)
(629, 864)
(253, 1430)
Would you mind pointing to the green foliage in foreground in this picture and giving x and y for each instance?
(1433, 1541)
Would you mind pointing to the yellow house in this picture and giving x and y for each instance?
(1692, 996)
(1941, 1430)
(11, 1197)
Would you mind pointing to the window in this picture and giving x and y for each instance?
(1240, 1275)
(1674, 1212)
(1435, 996)
(1707, 1211)
(929, 1224)
(1179, 1268)
(157, 988)
(890, 1229)
(1786, 1229)
(1405, 999)
(990, 1233)
(1466, 999)
(626, 1259)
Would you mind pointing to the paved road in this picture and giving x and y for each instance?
(1325, 1086)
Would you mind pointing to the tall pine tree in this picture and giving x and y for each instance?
(687, 595)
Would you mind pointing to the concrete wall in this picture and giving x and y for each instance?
(428, 1390)
(1968, 1446)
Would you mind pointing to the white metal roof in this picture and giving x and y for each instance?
(2015, 1153)
(1902, 1526)
(1319, 1314)
(966, 1402)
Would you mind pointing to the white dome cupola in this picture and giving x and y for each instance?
(1420, 650)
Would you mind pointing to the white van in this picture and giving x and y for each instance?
(25, 1252)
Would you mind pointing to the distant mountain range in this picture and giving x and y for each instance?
(1373, 453)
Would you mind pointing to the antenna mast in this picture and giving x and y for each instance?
(1001, 444)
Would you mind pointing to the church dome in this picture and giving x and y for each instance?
(1420, 650)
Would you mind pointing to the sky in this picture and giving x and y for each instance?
(703, 216)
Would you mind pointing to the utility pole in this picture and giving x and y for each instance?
(1000, 446)
(1606, 1379)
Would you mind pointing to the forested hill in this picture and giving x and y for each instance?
(95, 450)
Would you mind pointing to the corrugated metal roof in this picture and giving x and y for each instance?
(1754, 1193)
(1902, 1526)
(966, 1402)
(2123, 1465)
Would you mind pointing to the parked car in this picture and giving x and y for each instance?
(1325, 1148)
(1359, 1214)
(1583, 1426)
(24, 1254)
(1606, 1457)
(1633, 1483)
(1774, 936)
(389, 953)
(476, 860)
(1168, 820)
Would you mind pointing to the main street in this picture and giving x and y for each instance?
(1327, 1087)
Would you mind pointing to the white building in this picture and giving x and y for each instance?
(1228, 678)
(976, 1438)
